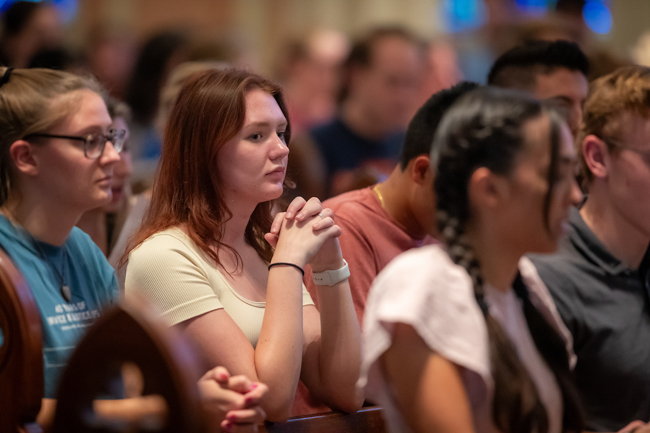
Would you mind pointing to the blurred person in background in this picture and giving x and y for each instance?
(553, 71)
(29, 27)
(311, 77)
(597, 278)
(158, 56)
(442, 70)
(398, 214)
(173, 85)
(110, 57)
(60, 58)
(103, 224)
(557, 26)
(382, 77)
(111, 225)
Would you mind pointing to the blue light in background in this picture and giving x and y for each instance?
(460, 15)
(67, 8)
(597, 16)
(4, 4)
(533, 7)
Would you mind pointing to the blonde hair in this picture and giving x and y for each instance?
(625, 90)
(26, 107)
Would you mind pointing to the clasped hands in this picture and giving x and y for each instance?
(306, 234)
(232, 402)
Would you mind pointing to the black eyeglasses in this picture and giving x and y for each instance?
(94, 144)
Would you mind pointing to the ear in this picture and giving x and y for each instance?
(595, 152)
(22, 155)
(421, 169)
(487, 190)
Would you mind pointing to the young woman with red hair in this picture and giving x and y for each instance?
(220, 268)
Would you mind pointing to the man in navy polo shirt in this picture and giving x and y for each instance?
(598, 278)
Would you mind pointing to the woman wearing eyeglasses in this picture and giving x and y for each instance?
(57, 154)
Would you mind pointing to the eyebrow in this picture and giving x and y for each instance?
(562, 98)
(266, 124)
(96, 129)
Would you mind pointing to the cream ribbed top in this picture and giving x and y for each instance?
(174, 275)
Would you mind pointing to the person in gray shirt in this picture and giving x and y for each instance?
(596, 278)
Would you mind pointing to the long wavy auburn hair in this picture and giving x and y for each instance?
(209, 112)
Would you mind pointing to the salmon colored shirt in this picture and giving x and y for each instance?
(370, 240)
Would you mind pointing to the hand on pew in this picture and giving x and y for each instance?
(232, 402)
(636, 427)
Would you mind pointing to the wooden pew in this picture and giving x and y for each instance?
(21, 352)
(366, 420)
(129, 333)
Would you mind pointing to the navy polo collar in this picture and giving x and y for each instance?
(590, 246)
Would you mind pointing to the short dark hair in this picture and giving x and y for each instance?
(519, 67)
(361, 53)
(422, 128)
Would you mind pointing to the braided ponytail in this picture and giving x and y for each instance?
(517, 407)
(485, 130)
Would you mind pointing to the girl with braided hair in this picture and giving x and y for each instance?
(486, 348)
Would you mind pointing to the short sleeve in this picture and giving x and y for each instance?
(424, 289)
(170, 275)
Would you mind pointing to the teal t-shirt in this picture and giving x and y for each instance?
(84, 269)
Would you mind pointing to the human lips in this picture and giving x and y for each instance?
(118, 191)
(106, 181)
(279, 170)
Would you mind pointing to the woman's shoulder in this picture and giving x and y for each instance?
(429, 268)
(425, 289)
(168, 251)
(167, 239)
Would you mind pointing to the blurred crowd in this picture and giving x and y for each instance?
(369, 125)
(371, 84)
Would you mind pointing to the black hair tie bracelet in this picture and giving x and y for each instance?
(287, 264)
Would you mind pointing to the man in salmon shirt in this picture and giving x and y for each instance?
(388, 218)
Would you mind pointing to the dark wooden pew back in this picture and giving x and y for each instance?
(129, 333)
(21, 352)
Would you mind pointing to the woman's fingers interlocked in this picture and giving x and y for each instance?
(326, 219)
(299, 210)
(311, 208)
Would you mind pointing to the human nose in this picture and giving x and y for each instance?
(109, 155)
(279, 148)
